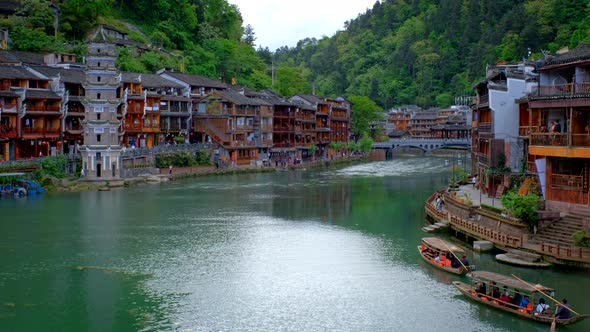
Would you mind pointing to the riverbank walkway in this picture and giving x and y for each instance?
(462, 211)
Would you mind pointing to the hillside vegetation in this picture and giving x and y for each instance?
(422, 52)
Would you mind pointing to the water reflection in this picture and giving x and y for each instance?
(327, 249)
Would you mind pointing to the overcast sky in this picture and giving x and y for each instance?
(284, 22)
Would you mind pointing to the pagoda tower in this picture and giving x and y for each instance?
(101, 152)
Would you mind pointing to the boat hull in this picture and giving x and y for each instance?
(459, 270)
(469, 291)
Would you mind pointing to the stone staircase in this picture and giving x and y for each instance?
(561, 231)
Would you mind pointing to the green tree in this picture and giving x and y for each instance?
(364, 112)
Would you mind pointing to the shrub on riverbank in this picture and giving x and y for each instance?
(523, 207)
(183, 159)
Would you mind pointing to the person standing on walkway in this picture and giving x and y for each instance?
(170, 169)
(473, 181)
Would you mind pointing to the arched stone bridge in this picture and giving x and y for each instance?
(425, 144)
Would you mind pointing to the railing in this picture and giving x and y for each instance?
(43, 108)
(553, 90)
(581, 140)
(486, 233)
(266, 142)
(569, 182)
(483, 99)
(483, 158)
(553, 139)
(559, 251)
(432, 211)
(41, 130)
(7, 130)
(583, 88)
(132, 126)
(527, 130)
(484, 126)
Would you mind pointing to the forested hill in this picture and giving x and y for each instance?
(208, 36)
(422, 52)
(428, 51)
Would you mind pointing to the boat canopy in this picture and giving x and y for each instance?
(442, 245)
(507, 281)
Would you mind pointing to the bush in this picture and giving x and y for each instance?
(523, 207)
(54, 166)
(579, 239)
(182, 159)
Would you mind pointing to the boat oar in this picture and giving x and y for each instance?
(452, 253)
(553, 324)
(554, 300)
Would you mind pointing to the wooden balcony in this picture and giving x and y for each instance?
(484, 127)
(525, 131)
(43, 109)
(133, 126)
(568, 182)
(549, 139)
(40, 131)
(8, 131)
(239, 144)
(568, 89)
(483, 159)
(483, 99)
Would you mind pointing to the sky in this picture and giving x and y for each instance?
(285, 22)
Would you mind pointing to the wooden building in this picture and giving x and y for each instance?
(556, 120)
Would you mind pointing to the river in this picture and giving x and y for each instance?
(329, 249)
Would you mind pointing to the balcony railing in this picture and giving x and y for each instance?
(569, 182)
(551, 139)
(483, 99)
(41, 131)
(132, 126)
(527, 130)
(581, 140)
(7, 130)
(483, 158)
(484, 126)
(32, 108)
(564, 89)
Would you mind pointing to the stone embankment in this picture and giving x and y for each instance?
(553, 242)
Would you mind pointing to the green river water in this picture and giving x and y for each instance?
(329, 249)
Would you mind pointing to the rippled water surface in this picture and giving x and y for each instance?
(318, 250)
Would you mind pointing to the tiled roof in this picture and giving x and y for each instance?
(67, 75)
(196, 80)
(17, 72)
(426, 116)
(21, 57)
(580, 53)
(150, 80)
(312, 99)
(238, 98)
(33, 93)
(8, 94)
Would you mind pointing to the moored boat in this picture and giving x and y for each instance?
(440, 253)
(485, 288)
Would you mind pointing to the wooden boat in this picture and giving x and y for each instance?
(433, 246)
(533, 292)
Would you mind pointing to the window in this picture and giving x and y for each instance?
(98, 79)
(98, 50)
(98, 64)
(98, 96)
(98, 137)
(97, 116)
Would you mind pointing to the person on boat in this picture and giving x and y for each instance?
(562, 311)
(438, 257)
(464, 261)
(542, 307)
(481, 287)
(494, 291)
(455, 262)
(524, 301)
(517, 298)
(505, 296)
